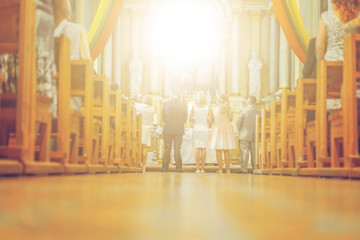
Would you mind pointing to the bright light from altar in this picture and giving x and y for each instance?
(185, 31)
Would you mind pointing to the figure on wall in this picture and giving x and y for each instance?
(255, 65)
(135, 68)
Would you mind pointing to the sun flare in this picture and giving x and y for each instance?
(185, 31)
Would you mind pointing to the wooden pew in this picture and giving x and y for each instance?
(30, 110)
(125, 123)
(351, 75)
(262, 137)
(329, 81)
(288, 106)
(135, 139)
(275, 133)
(101, 114)
(116, 114)
(305, 102)
(265, 139)
(68, 120)
(82, 85)
(111, 164)
(130, 143)
(258, 146)
(328, 86)
(138, 145)
(311, 148)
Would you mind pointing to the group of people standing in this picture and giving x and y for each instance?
(220, 136)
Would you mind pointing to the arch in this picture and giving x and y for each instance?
(224, 8)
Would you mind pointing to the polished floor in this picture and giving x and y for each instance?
(178, 206)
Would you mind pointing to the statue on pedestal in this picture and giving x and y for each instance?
(135, 68)
(255, 65)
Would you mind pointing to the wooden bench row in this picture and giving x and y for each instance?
(104, 136)
(290, 143)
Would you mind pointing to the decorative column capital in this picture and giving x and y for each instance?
(236, 8)
(271, 11)
(256, 15)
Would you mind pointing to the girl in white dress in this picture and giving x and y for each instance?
(221, 135)
(199, 115)
(147, 112)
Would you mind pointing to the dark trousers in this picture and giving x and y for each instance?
(168, 140)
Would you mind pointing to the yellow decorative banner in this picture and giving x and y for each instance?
(103, 25)
(292, 25)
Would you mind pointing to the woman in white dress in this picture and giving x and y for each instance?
(147, 112)
(199, 115)
(221, 136)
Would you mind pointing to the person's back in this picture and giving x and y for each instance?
(221, 116)
(201, 114)
(174, 117)
(335, 35)
(246, 123)
(331, 31)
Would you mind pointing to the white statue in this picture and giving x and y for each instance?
(255, 65)
(135, 68)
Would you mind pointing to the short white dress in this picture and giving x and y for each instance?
(201, 126)
(222, 133)
(147, 113)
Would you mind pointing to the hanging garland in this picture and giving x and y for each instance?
(103, 25)
(292, 25)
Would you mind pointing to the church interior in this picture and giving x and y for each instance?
(85, 94)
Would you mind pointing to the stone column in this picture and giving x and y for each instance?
(255, 37)
(106, 61)
(136, 30)
(245, 49)
(284, 62)
(116, 56)
(79, 12)
(221, 84)
(154, 73)
(235, 55)
(255, 31)
(265, 53)
(223, 60)
(274, 53)
(125, 50)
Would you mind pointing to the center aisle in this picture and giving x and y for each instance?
(178, 206)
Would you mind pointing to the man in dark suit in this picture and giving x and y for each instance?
(246, 126)
(174, 115)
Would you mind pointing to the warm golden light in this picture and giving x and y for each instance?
(185, 32)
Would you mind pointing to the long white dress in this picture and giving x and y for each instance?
(147, 113)
(201, 126)
(222, 133)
